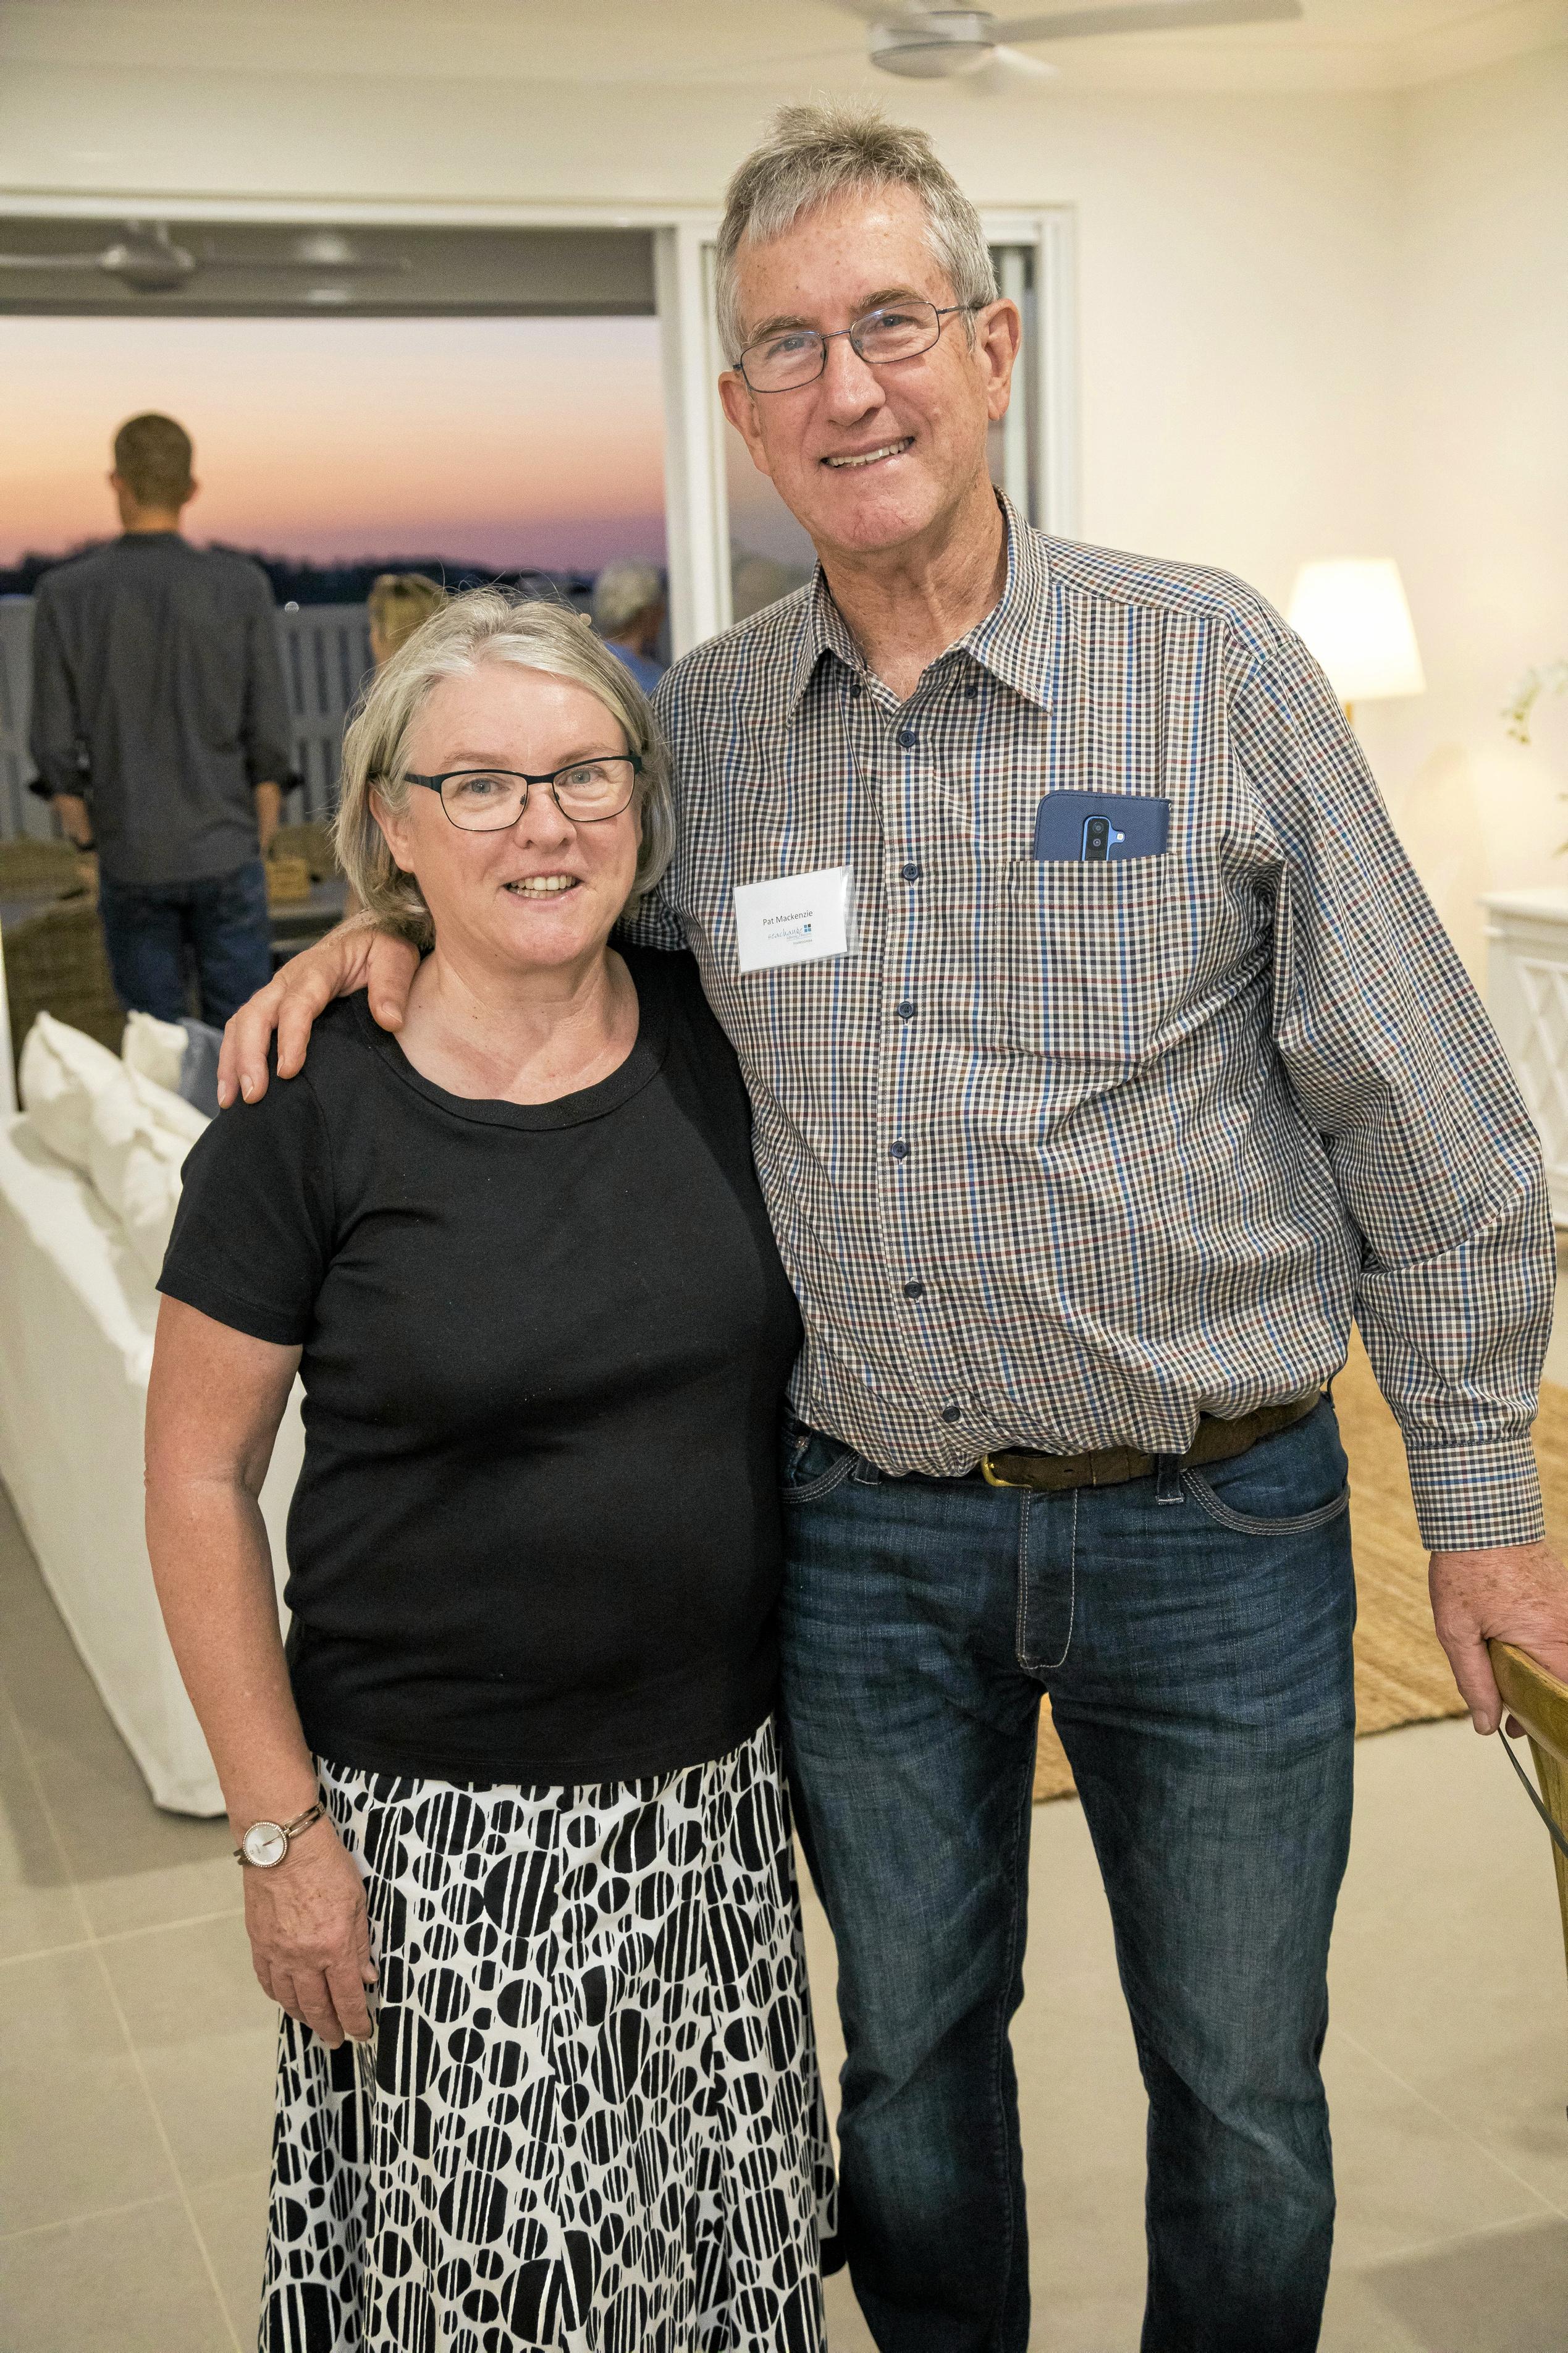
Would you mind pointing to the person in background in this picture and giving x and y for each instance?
(398, 602)
(161, 725)
(628, 613)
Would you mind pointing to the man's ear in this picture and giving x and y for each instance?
(999, 334)
(739, 407)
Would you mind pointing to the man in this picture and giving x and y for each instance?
(1082, 1163)
(628, 613)
(161, 725)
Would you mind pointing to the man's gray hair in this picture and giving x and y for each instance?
(621, 592)
(814, 153)
(485, 626)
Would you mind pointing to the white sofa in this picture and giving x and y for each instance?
(77, 1315)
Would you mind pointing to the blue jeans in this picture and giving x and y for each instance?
(1194, 1632)
(154, 930)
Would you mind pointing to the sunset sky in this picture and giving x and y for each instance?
(506, 441)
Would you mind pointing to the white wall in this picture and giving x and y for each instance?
(1310, 323)
(1482, 447)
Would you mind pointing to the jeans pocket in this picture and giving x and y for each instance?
(1249, 1523)
(812, 1465)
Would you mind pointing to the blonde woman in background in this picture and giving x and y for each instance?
(397, 604)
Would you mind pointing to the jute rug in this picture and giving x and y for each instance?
(1401, 1673)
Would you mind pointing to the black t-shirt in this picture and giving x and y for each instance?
(536, 1537)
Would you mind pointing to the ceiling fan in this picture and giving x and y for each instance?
(937, 44)
(145, 258)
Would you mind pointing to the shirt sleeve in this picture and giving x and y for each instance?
(55, 726)
(254, 1233)
(269, 731)
(1393, 1059)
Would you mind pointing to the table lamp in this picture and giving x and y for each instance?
(1352, 614)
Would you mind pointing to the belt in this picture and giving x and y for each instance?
(1217, 1441)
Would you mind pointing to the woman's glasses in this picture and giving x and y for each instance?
(489, 800)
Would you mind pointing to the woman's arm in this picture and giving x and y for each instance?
(214, 1405)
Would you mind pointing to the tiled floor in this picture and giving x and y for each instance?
(135, 2056)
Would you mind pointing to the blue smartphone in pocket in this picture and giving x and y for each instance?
(1101, 828)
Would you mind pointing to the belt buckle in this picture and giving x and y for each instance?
(992, 1479)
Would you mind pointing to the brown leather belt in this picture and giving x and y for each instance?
(1217, 1441)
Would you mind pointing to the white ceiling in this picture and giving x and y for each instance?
(778, 44)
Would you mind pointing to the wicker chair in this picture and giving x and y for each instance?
(312, 841)
(55, 963)
(52, 870)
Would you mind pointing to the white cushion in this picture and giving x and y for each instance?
(156, 1048)
(61, 1072)
(139, 1137)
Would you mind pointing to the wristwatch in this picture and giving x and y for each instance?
(264, 1845)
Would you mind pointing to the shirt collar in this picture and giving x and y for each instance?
(1012, 640)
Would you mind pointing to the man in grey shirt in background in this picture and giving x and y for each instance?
(161, 726)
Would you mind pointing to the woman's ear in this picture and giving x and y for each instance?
(396, 832)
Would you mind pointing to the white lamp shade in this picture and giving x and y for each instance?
(1354, 615)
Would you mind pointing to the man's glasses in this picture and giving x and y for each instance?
(489, 800)
(797, 355)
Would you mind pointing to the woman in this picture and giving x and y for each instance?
(518, 1256)
(399, 604)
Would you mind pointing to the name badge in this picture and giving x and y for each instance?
(798, 919)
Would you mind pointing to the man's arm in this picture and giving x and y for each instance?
(357, 955)
(76, 819)
(269, 808)
(1393, 1059)
(54, 728)
(268, 728)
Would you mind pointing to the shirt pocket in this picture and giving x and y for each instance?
(1085, 976)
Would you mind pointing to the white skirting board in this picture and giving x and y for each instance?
(77, 1318)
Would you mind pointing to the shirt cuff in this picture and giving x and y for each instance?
(1471, 1498)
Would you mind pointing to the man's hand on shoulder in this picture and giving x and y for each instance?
(357, 955)
(1515, 1593)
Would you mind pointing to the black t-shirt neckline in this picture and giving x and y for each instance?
(642, 1064)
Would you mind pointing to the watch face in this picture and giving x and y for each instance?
(265, 1843)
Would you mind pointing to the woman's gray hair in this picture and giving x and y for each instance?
(486, 625)
(816, 152)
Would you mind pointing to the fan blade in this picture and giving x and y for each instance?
(886, 12)
(49, 261)
(1147, 17)
(1008, 66)
(391, 269)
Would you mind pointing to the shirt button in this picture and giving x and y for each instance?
(911, 874)
(973, 689)
(898, 1151)
(906, 1011)
(914, 1291)
(855, 686)
(953, 1413)
(908, 738)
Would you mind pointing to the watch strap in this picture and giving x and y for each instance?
(290, 1829)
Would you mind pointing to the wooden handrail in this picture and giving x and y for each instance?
(1535, 1696)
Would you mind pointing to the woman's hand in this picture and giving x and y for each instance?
(309, 1936)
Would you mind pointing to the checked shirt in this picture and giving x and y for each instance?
(1065, 1155)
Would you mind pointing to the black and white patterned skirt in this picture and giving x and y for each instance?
(591, 2121)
